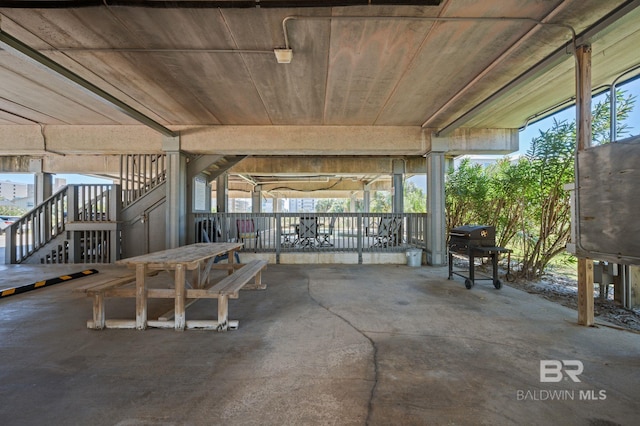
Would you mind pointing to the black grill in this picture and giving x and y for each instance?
(470, 236)
(475, 241)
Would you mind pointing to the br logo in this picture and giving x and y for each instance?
(553, 370)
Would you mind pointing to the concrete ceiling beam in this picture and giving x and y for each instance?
(314, 165)
(478, 142)
(253, 140)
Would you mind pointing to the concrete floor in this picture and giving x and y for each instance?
(324, 344)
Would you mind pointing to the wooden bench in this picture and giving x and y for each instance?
(228, 288)
(101, 289)
(124, 286)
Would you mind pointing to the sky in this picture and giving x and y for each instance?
(526, 135)
(633, 121)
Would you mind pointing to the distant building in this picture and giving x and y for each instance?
(58, 183)
(240, 205)
(302, 205)
(12, 190)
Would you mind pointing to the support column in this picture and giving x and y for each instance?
(176, 204)
(366, 200)
(353, 202)
(222, 192)
(398, 186)
(43, 182)
(436, 239)
(256, 199)
(583, 133)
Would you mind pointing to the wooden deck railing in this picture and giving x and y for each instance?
(315, 232)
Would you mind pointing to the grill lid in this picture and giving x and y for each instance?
(474, 232)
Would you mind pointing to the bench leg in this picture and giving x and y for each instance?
(257, 284)
(180, 297)
(141, 296)
(98, 311)
(223, 313)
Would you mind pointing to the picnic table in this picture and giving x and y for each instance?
(198, 258)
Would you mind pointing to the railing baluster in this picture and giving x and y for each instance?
(352, 232)
(140, 174)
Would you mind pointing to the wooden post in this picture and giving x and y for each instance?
(141, 296)
(585, 292)
(98, 311)
(180, 297)
(583, 133)
(634, 283)
(223, 313)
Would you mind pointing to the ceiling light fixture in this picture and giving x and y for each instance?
(283, 56)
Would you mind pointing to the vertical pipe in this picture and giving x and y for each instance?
(613, 122)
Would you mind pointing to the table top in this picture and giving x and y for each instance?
(190, 255)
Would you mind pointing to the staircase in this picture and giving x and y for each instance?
(85, 223)
(77, 224)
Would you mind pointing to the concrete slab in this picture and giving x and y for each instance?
(324, 344)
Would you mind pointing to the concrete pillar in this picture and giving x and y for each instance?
(366, 201)
(176, 204)
(256, 199)
(222, 192)
(398, 186)
(43, 182)
(43, 187)
(436, 239)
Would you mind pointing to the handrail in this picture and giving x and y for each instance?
(140, 174)
(85, 203)
(36, 228)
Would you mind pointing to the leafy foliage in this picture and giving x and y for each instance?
(526, 199)
(11, 211)
(381, 202)
(414, 198)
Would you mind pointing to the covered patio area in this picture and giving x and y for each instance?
(324, 344)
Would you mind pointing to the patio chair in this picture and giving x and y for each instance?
(247, 230)
(208, 231)
(308, 231)
(289, 233)
(388, 233)
(326, 235)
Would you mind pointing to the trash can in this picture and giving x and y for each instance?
(414, 257)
